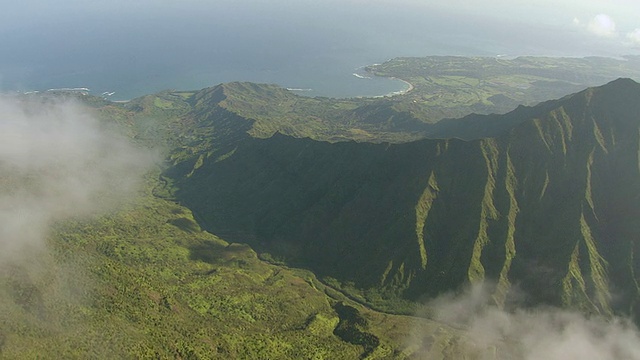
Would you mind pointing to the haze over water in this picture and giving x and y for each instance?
(141, 47)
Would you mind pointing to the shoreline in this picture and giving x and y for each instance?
(105, 95)
(409, 88)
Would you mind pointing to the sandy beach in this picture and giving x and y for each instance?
(409, 87)
(396, 93)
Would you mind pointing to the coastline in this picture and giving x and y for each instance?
(367, 74)
(409, 88)
(369, 70)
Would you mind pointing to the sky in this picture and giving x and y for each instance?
(614, 20)
(545, 11)
(597, 24)
(615, 23)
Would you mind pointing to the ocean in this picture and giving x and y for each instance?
(314, 50)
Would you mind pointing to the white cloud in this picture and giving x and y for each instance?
(529, 334)
(57, 162)
(634, 36)
(602, 25)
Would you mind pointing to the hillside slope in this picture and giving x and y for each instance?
(455, 86)
(549, 205)
(93, 266)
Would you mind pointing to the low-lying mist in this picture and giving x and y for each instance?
(542, 333)
(58, 162)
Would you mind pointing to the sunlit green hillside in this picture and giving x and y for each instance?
(329, 220)
(548, 205)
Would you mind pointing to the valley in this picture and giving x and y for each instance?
(282, 226)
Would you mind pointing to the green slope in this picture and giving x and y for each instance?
(548, 205)
(146, 282)
(543, 198)
(444, 88)
(455, 86)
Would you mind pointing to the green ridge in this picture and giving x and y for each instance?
(355, 212)
(148, 281)
(572, 296)
(545, 185)
(488, 210)
(588, 191)
(598, 135)
(510, 245)
(422, 212)
(597, 266)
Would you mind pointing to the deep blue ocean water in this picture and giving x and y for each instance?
(310, 47)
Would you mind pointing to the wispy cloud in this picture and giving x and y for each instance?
(57, 162)
(532, 333)
(634, 37)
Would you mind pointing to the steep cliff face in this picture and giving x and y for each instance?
(550, 205)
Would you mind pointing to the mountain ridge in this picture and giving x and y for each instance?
(386, 210)
(543, 203)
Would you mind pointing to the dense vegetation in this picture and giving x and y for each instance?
(146, 282)
(454, 86)
(545, 205)
(543, 197)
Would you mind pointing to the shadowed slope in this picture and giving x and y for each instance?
(549, 205)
